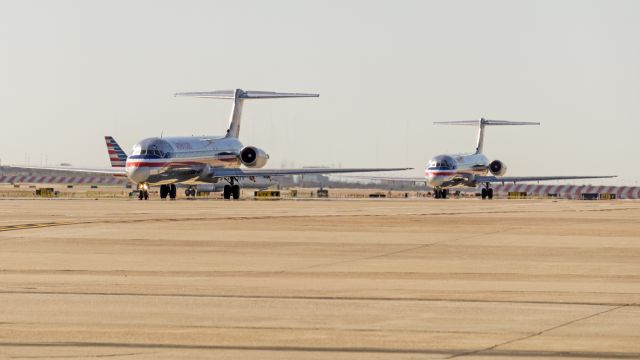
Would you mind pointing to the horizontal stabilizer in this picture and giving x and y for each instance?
(485, 122)
(249, 94)
(481, 124)
(238, 96)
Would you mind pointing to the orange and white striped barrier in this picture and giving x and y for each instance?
(569, 191)
(71, 180)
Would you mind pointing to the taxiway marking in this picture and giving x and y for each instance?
(33, 226)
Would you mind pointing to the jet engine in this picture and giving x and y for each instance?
(497, 168)
(253, 157)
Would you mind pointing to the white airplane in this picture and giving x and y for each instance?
(471, 170)
(201, 161)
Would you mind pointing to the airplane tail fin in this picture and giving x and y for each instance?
(482, 123)
(238, 96)
(117, 156)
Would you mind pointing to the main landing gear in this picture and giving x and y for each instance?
(168, 190)
(440, 193)
(487, 192)
(231, 190)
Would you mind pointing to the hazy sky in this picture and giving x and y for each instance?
(74, 71)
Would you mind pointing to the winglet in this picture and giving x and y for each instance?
(117, 156)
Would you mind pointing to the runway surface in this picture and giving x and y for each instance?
(359, 279)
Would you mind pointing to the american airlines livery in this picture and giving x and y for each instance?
(193, 161)
(473, 169)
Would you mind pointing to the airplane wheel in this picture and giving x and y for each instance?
(187, 192)
(193, 192)
(227, 192)
(140, 194)
(441, 194)
(490, 193)
(164, 191)
(146, 195)
(172, 191)
(236, 192)
(484, 194)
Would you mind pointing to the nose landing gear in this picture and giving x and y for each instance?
(143, 192)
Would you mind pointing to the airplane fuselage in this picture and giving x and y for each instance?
(444, 171)
(161, 161)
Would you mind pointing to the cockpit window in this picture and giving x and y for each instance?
(442, 162)
(155, 152)
(153, 147)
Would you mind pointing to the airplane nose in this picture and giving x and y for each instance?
(138, 174)
(437, 179)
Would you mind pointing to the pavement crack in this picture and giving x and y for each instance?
(526, 337)
(75, 356)
(395, 252)
(28, 226)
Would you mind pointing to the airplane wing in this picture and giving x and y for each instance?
(387, 178)
(238, 173)
(515, 179)
(68, 169)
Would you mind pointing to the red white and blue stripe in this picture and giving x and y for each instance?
(117, 156)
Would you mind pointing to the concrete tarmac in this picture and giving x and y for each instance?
(358, 279)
